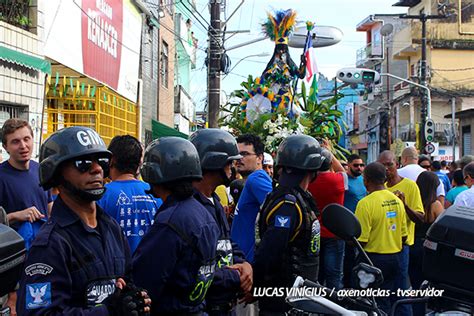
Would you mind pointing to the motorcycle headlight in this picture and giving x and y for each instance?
(367, 276)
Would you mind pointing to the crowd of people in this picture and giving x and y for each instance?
(191, 227)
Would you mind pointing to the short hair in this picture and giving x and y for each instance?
(386, 153)
(465, 160)
(375, 173)
(458, 177)
(252, 139)
(436, 165)
(423, 158)
(11, 126)
(127, 153)
(444, 163)
(352, 157)
(469, 170)
(410, 152)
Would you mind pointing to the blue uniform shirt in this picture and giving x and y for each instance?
(175, 261)
(129, 204)
(355, 192)
(71, 268)
(226, 283)
(256, 188)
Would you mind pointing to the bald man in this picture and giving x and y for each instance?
(407, 190)
(412, 170)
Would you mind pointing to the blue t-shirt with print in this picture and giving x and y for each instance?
(128, 203)
(256, 188)
(356, 191)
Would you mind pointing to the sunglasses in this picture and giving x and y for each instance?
(426, 167)
(83, 165)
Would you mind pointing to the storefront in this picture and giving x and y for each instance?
(95, 52)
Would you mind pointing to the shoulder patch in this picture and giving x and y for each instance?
(38, 295)
(38, 268)
(282, 221)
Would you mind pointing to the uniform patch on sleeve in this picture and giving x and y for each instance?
(282, 221)
(38, 268)
(38, 295)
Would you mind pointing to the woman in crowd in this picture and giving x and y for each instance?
(427, 182)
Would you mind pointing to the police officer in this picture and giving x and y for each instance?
(287, 225)
(176, 259)
(79, 262)
(217, 151)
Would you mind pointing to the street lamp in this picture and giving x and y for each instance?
(265, 54)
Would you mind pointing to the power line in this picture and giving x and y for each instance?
(454, 69)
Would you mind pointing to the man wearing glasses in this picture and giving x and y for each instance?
(80, 259)
(356, 191)
(257, 185)
(466, 198)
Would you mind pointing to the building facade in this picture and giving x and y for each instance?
(22, 66)
(393, 106)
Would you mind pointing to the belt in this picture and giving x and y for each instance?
(223, 308)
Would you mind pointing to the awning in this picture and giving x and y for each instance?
(162, 130)
(25, 60)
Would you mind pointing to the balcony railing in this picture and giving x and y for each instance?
(366, 53)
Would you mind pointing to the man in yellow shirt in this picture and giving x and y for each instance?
(407, 190)
(382, 218)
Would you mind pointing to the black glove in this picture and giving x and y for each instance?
(126, 302)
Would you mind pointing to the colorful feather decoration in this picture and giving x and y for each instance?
(280, 25)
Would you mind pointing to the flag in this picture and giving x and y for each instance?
(313, 90)
(311, 67)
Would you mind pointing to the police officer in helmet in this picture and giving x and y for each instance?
(80, 262)
(176, 259)
(217, 151)
(287, 225)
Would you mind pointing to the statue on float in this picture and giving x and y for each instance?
(274, 91)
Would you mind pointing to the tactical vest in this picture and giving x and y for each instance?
(302, 255)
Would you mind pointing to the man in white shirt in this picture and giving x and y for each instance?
(466, 198)
(412, 170)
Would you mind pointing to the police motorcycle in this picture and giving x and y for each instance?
(448, 265)
(315, 299)
(12, 257)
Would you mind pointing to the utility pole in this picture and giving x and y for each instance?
(214, 65)
(423, 19)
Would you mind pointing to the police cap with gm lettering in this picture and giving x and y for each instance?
(66, 144)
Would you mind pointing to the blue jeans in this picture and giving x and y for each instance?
(402, 281)
(331, 262)
(390, 266)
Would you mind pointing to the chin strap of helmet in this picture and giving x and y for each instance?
(87, 195)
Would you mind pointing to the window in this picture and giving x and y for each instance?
(164, 64)
(466, 140)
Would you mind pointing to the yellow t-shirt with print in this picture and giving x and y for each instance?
(413, 200)
(382, 217)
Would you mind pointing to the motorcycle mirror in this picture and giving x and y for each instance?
(341, 221)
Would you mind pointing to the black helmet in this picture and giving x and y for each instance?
(327, 160)
(216, 148)
(299, 152)
(66, 144)
(170, 158)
